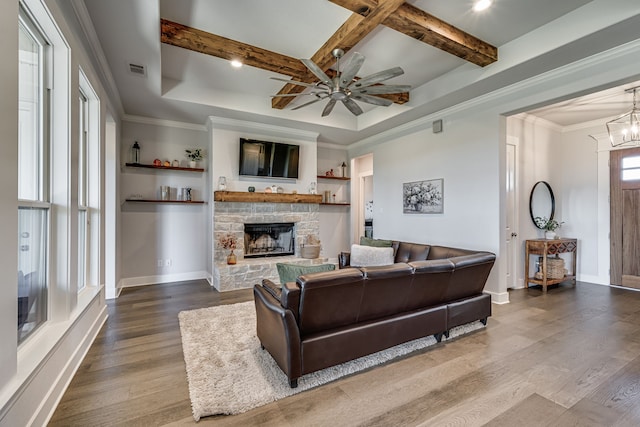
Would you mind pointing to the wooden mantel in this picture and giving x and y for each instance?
(243, 196)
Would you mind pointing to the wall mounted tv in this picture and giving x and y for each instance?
(268, 159)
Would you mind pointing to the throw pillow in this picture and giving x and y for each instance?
(370, 256)
(290, 272)
(379, 243)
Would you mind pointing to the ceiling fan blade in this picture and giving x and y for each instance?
(372, 100)
(317, 71)
(351, 69)
(294, 82)
(308, 103)
(377, 78)
(329, 107)
(382, 89)
(293, 94)
(352, 106)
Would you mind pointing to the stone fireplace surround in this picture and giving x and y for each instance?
(230, 217)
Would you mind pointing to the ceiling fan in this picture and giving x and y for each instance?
(344, 87)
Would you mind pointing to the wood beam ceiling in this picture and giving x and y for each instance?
(426, 28)
(368, 14)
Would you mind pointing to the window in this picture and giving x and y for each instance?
(33, 194)
(631, 168)
(82, 190)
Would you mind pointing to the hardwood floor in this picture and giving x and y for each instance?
(570, 357)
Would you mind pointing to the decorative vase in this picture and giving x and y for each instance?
(231, 258)
(193, 164)
(549, 235)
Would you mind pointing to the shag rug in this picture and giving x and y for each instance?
(229, 373)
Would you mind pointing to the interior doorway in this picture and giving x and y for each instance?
(625, 217)
(362, 213)
(511, 231)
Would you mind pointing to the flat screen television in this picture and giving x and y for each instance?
(268, 159)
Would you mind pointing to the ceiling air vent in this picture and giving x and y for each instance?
(137, 70)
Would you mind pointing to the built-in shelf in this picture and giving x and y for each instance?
(337, 178)
(243, 196)
(186, 202)
(176, 168)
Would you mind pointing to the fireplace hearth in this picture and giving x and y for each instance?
(265, 240)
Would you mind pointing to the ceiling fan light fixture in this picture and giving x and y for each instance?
(481, 5)
(625, 130)
(344, 87)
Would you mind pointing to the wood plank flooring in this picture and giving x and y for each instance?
(570, 357)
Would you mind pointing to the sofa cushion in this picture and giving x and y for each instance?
(408, 252)
(370, 256)
(290, 272)
(379, 243)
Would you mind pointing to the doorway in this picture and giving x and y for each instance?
(511, 201)
(362, 212)
(625, 217)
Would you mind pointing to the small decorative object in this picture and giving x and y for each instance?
(229, 241)
(251, 189)
(423, 197)
(327, 196)
(329, 173)
(176, 164)
(312, 188)
(135, 153)
(310, 248)
(333, 198)
(222, 183)
(294, 192)
(194, 155)
(274, 188)
(186, 194)
(166, 163)
(157, 162)
(343, 167)
(267, 190)
(548, 225)
(164, 192)
(280, 190)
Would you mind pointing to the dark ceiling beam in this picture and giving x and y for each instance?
(426, 28)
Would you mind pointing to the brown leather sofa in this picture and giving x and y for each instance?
(328, 318)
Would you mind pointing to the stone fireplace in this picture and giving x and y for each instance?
(278, 231)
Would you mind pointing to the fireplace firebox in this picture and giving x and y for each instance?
(264, 240)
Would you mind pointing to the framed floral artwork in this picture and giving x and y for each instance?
(423, 197)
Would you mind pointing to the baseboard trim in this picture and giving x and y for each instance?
(498, 297)
(164, 278)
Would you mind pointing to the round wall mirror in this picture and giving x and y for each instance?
(541, 202)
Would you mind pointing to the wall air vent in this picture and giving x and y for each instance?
(137, 70)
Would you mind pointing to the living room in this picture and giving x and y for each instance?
(482, 110)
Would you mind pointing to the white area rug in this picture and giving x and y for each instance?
(229, 373)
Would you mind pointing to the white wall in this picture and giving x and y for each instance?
(334, 220)
(152, 232)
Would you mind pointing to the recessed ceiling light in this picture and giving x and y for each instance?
(236, 63)
(481, 5)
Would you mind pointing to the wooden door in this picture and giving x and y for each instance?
(625, 217)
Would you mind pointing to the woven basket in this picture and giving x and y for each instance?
(555, 268)
(310, 251)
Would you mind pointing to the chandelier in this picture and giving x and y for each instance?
(625, 130)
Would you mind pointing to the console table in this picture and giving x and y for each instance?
(545, 247)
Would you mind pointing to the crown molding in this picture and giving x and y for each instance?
(332, 146)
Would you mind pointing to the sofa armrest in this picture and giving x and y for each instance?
(344, 259)
(273, 289)
(278, 333)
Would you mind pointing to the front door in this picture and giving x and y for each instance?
(625, 217)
